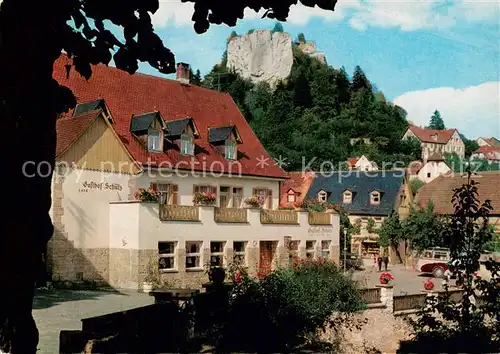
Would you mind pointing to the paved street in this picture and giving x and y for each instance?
(63, 309)
(406, 281)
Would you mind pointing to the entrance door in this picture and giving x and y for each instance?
(267, 251)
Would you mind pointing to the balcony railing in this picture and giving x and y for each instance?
(179, 213)
(279, 217)
(318, 218)
(230, 215)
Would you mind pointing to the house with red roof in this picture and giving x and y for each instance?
(158, 176)
(494, 142)
(294, 190)
(487, 152)
(361, 163)
(436, 141)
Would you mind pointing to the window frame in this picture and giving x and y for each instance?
(322, 194)
(152, 133)
(187, 144)
(193, 254)
(268, 199)
(217, 254)
(310, 251)
(168, 255)
(230, 149)
(171, 191)
(373, 195)
(241, 196)
(347, 197)
(240, 253)
(325, 250)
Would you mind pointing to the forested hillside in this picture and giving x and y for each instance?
(313, 115)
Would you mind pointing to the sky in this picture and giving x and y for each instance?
(423, 54)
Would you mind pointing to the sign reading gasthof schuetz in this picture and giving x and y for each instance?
(101, 186)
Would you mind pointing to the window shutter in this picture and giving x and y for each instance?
(196, 189)
(269, 199)
(175, 194)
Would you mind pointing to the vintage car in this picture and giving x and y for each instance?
(434, 260)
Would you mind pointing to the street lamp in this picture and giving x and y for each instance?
(345, 248)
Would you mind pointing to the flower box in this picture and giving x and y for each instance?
(204, 198)
(254, 202)
(385, 278)
(147, 195)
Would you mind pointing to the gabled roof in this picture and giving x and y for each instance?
(426, 135)
(351, 161)
(299, 182)
(86, 107)
(362, 184)
(127, 95)
(489, 152)
(415, 166)
(435, 156)
(222, 133)
(440, 191)
(175, 128)
(491, 141)
(70, 129)
(142, 122)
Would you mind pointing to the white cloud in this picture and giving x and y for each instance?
(408, 15)
(474, 110)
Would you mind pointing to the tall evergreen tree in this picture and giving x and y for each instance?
(278, 27)
(359, 80)
(301, 38)
(436, 121)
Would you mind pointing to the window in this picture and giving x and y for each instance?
(325, 248)
(231, 149)
(291, 196)
(347, 197)
(224, 196)
(169, 193)
(237, 197)
(375, 198)
(310, 249)
(154, 141)
(166, 255)
(193, 254)
(322, 196)
(204, 189)
(265, 196)
(239, 252)
(217, 253)
(187, 145)
(428, 175)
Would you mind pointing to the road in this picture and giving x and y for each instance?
(55, 310)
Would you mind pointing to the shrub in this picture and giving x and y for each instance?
(283, 307)
(147, 195)
(204, 198)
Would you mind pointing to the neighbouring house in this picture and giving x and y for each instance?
(195, 150)
(440, 192)
(361, 163)
(433, 168)
(439, 141)
(294, 189)
(413, 169)
(365, 196)
(494, 142)
(487, 152)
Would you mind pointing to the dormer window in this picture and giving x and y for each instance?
(375, 197)
(155, 138)
(291, 196)
(187, 144)
(347, 197)
(322, 196)
(231, 149)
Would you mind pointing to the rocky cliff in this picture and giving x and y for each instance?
(265, 56)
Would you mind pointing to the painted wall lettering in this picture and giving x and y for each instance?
(101, 186)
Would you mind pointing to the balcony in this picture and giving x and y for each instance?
(179, 213)
(318, 218)
(287, 217)
(230, 215)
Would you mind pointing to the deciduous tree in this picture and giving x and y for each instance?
(33, 34)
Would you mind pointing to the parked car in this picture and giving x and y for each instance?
(353, 261)
(434, 260)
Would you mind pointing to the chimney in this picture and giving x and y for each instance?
(183, 73)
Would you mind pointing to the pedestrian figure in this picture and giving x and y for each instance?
(386, 261)
(379, 261)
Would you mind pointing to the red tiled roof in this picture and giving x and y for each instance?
(491, 141)
(351, 161)
(126, 95)
(425, 135)
(489, 152)
(299, 182)
(70, 129)
(440, 191)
